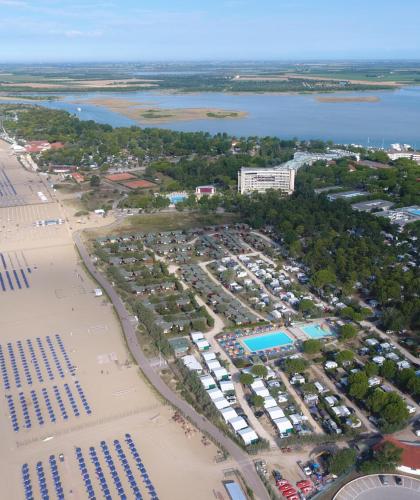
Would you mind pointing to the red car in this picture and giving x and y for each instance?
(304, 483)
(285, 486)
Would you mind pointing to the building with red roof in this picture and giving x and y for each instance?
(205, 191)
(410, 457)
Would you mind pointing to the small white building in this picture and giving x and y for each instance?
(221, 403)
(263, 392)
(228, 414)
(341, 411)
(202, 344)
(257, 384)
(226, 386)
(374, 381)
(208, 382)
(215, 393)
(275, 412)
(402, 365)
(331, 401)
(191, 363)
(208, 356)
(282, 397)
(195, 336)
(330, 365)
(238, 423)
(284, 426)
(379, 360)
(269, 402)
(221, 374)
(319, 387)
(297, 378)
(213, 364)
(248, 435)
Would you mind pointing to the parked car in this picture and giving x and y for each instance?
(383, 480)
(398, 480)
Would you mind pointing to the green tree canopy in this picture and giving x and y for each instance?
(342, 461)
(312, 346)
(246, 378)
(259, 371)
(347, 332)
(358, 385)
(344, 357)
(295, 365)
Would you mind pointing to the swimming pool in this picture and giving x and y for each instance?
(414, 211)
(317, 331)
(267, 341)
(176, 198)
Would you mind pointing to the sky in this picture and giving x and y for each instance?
(144, 30)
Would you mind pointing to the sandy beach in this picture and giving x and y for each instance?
(59, 300)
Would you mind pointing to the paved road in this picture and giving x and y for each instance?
(244, 463)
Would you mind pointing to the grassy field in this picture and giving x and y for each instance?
(166, 222)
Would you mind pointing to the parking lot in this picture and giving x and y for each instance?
(370, 487)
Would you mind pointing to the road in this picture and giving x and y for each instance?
(242, 459)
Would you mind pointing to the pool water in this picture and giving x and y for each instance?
(414, 211)
(176, 198)
(316, 331)
(267, 341)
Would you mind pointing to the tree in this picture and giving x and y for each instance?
(344, 357)
(358, 385)
(306, 306)
(259, 371)
(295, 365)
(347, 332)
(312, 346)
(377, 400)
(384, 459)
(323, 278)
(341, 461)
(388, 369)
(395, 411)
(246, 379)
(257, 401)
(371, 369)
(95, 181)
(413, 386)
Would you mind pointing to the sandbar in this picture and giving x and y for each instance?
(368, 98)
(151, 113)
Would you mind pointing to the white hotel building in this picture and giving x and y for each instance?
(262, 179)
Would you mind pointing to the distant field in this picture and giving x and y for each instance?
(209, 77)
